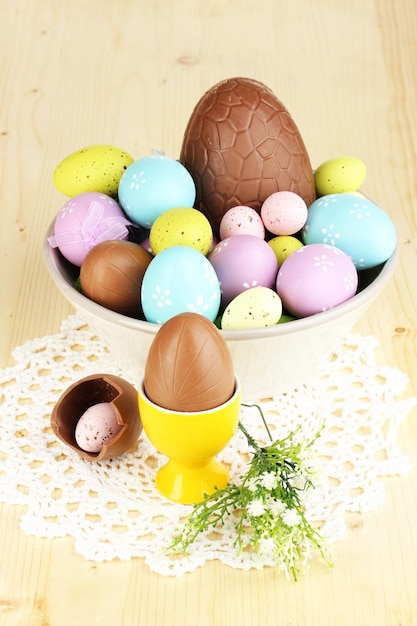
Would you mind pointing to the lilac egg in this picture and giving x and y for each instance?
(86, 220)
(315, 278)
(242, 262)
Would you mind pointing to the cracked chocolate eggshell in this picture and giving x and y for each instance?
(189, 366)
(240, 146)
(92, 390)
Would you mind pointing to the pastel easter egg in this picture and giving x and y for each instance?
(181, 226)
(316, 278)
(284, 213)
(354, 224)
(254, 308)
(86, 220)
(241, 220)
(178, 280)
(93, 168)
(97, 426)
(242, 262)
(338, 175)
(283, 246)
(152, 185)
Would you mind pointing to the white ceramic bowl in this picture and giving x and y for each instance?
(268, 361)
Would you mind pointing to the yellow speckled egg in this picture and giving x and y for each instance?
(283, 246)
(181, 226)
(338, 175)
(94, 168)
(253, 308)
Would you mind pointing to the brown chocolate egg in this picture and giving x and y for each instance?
(189, 366)
(111, 275)
(92, 390)
(240, 146)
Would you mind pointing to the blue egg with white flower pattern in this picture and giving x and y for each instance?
(179, 279)
(152, 185)
(354, 224)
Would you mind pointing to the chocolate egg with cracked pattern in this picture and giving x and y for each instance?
(240, 146)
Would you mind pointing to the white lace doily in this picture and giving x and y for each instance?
(112, 508)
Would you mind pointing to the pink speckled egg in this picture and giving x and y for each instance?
(284, 213)
(315, 278)
(241, 220)
(242, 262)
(86, 220)
(97, 426)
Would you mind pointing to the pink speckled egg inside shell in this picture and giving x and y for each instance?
(241, 220)
(97, 426)
(86, 220)
(242, 262)
(284, 213)
(316, 278)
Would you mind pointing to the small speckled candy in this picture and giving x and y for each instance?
(315, 278)
(241, 220)
(283, 246)
(94, 168)
(339, 175)
(181, 226)
(97, 426)
(284, 213)
(152, 185)
(254, 308)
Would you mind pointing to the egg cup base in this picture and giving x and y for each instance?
(188, 484)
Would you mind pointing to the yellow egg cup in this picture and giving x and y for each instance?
(190, 440)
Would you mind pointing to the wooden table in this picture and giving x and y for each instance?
(128, 73)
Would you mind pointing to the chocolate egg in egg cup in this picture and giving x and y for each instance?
(107, 405)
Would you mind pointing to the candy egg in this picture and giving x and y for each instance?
(241, 220)
(240, 146)
(284, 213)
(283, 246)
(94, 168)
(153, 184)
(181, 226)
(339, 175)
(356, 225)
(253, 308)
(180, 279)
(189, 366)
(96, 426)
(121, 414)
(242, 262)
(315, 278)
(112, 274)
(84, 221)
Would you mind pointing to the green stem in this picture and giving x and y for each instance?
(250, 406)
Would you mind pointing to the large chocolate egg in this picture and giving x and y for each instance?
(189, 366)
(240, 146)
(112, 274)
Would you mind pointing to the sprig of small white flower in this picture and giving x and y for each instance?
(270, 502)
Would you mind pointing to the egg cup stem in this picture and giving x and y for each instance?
(188, 482)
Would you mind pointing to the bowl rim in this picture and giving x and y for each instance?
(89, 306)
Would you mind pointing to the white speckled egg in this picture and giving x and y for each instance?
(241, 220)
(316, 278)
(356, 225)
(253, 308)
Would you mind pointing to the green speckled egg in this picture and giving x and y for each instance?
(181, 226)
(338, 175)
(94, 168)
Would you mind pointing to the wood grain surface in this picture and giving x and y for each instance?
(128, 72)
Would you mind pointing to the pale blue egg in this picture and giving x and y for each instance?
(354, 224)
(153, 184)
(180, 279)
